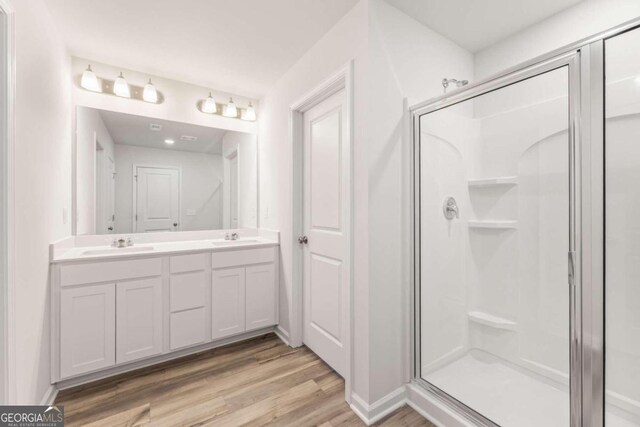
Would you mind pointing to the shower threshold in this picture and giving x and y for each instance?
(510, 396)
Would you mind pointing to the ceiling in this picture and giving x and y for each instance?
(127, 129)
(477, 24)
(241, 47)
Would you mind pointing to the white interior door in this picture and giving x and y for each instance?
(325, 216)
(157, 199)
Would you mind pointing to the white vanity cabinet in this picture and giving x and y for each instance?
(138, 319)
(260, 298)
(243, 297)
(227, 302)
(112, 315)
(87, 326)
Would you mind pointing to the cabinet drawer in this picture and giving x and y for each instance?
(241, 257)
(188, 328)
(183, 263)
(187, 290)
(109, 271)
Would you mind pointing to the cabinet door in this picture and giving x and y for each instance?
(227, 302)
(139, 319)
(87, 329)
(261, 294)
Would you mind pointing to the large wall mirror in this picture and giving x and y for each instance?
(137, 174)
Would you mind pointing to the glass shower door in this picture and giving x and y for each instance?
(622, 235)
(494, 230)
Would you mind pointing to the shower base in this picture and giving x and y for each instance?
(509, 396)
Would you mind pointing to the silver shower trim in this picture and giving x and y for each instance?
(577, 308)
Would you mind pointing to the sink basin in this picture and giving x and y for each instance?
(239, 242)
(128, 250)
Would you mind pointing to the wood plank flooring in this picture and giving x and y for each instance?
(257, 382)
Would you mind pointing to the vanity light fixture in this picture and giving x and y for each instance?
(209, 105)
(230, 109)
(249, 113)
(121, 87)
(169, 141)
(149, 93)
(89, 80)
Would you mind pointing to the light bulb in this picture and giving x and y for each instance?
(169, 141)
(89, 80)
(209, 105)
(150, 94)
(249, 114)
(121, 88)
(230, 110)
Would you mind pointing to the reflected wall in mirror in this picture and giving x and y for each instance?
(138, 174)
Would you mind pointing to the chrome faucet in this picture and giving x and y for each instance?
(232, 236)
(122, 242)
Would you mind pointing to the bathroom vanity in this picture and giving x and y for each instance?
(117, 309)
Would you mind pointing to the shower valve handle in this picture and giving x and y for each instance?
(450, 208)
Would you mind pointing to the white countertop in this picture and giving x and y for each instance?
(84, 253)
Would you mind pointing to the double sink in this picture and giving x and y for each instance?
(134, 249)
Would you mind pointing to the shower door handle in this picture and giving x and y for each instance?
(572, 268)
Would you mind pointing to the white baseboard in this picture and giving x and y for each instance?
(283, 335)
(379, 409)
(49, 396)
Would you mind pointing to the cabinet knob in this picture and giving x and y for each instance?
(303, 240)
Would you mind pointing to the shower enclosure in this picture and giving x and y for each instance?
(522, 182)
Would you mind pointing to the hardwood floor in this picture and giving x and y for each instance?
(254, 383)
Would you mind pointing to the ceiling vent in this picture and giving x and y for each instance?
(188, 138)
(155, 127)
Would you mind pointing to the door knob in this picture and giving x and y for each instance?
(110, 228)
(303, 240)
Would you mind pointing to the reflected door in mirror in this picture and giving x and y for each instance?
(157, 199)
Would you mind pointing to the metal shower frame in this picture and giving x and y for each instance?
(585, 62)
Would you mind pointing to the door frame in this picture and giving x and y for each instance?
(226, 186)
(7, 202)
(134, 193)
(341, 80)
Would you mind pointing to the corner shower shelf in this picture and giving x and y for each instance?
(494, 225)
(489, 182)
(492, 321)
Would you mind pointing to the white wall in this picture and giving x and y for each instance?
(200, 185)
(90, 128)
(346, 41)
(581, 21)
(42, 186)
(247, 147)
(407, 60)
